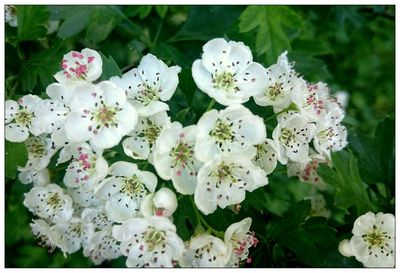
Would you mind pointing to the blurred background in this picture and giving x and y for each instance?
(349, 47)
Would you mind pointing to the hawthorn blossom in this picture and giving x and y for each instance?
(37, 178)
(161, 203)
(238, 240)
(96, 216)
(224, 181)
(266, 156)
(10, 15)
(232, 130)
(373, 241)
(86, 169)
(149, 242)
(99, 113)
(204, 250)
(42, 231)
(227, 73)
(102, 246)
(282, 81)
(80, 66)
(84, 198)
(149, 85)
(124, 191)
(174, 157)
(20, 118)
(292, 135)
(142, 139)
(49, 202)
(40, 150)
(50, 116)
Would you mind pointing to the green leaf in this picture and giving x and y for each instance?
(270, 22)
(185, 218)
(32, 22)
(345, 178)
(76, 20)
(218, 19)
(169, 52)
(187, 84)
(16, 155)
(102, 21)
(42, 66)
(162, 10)
(144, 11)
(110, 68)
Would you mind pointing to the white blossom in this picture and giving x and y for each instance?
(50, 116)
(96, 216)
(238, 240)
(20, 118)
(282, 81)
(149, 242)
(124, 191)
(227, 73)
(174, 157)
(49, 202)
(80, 66)
(266, 156)
(102, 246)
(40, 150)
(232, 130)
(142, 139)
(204, 250)
(10, 15)
(37, 178)
(292, 135)
(149, 85)
(42, 231)
(99, 113)
(224, 181)
(373, 241)
(161, 203)
(84, 198)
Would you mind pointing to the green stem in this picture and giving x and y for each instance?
(275, 115)
(210, 105)
(153, 44)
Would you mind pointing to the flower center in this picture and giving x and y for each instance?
(181, 154)
(287, 136)
(54, 200)
(274, 91)
(222, 131)
(132, 186)
(147, 94)
(36, 148)
(375, 237)
(151, 132)
(153, 238)
(106, 116)
(24, 117)
(224, 81)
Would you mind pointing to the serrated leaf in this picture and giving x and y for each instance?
(269, 23)
(110, 68)
(32, 22)
(16, 155)
(102, 21)
(350, 190)
(162, 10)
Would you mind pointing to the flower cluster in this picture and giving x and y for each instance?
(110, 208)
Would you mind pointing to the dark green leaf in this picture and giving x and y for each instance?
(32, 22)
(102, 21)
(144, 11)
(76, 20)
(162, 10)
(110, 68)
(345, 178)
(269, 22)
(168, 52)
(187, 85)
(16, 155)
(185, 218)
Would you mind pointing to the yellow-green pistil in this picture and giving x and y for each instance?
(224, 81)
(222, 131)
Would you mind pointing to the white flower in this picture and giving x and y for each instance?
(102, 246)
(204, 250)
(161, 203)
(125, 190)
(42, 231)
(281, 82)
(37, 178)
(224, 181)
(73, 234)
(329, 136)
(373, 241)
(50, 117)
(342, 98)
(99, 113)
(344, 248)
(292, 135)
(149, 242)
(86, 169)
(60, 92)
(20, 117)
(40, 150)
(266, 156)
(174, 157)
(146, 85)
(80, 66)
(318, 206)
(143, 137)
(234, 129)
(307, 170)
(227, 73)
(49, 203)
(97, 216)
(238, 240)
(84, 198)
(10, 15)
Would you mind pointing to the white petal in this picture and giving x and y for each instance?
(122, 168)
(16, 133)
(136, 147)
(77, 127)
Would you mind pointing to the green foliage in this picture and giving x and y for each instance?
(345, 178)
(32, 22)
(16, 155)
(270, 23)
(110, 68)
